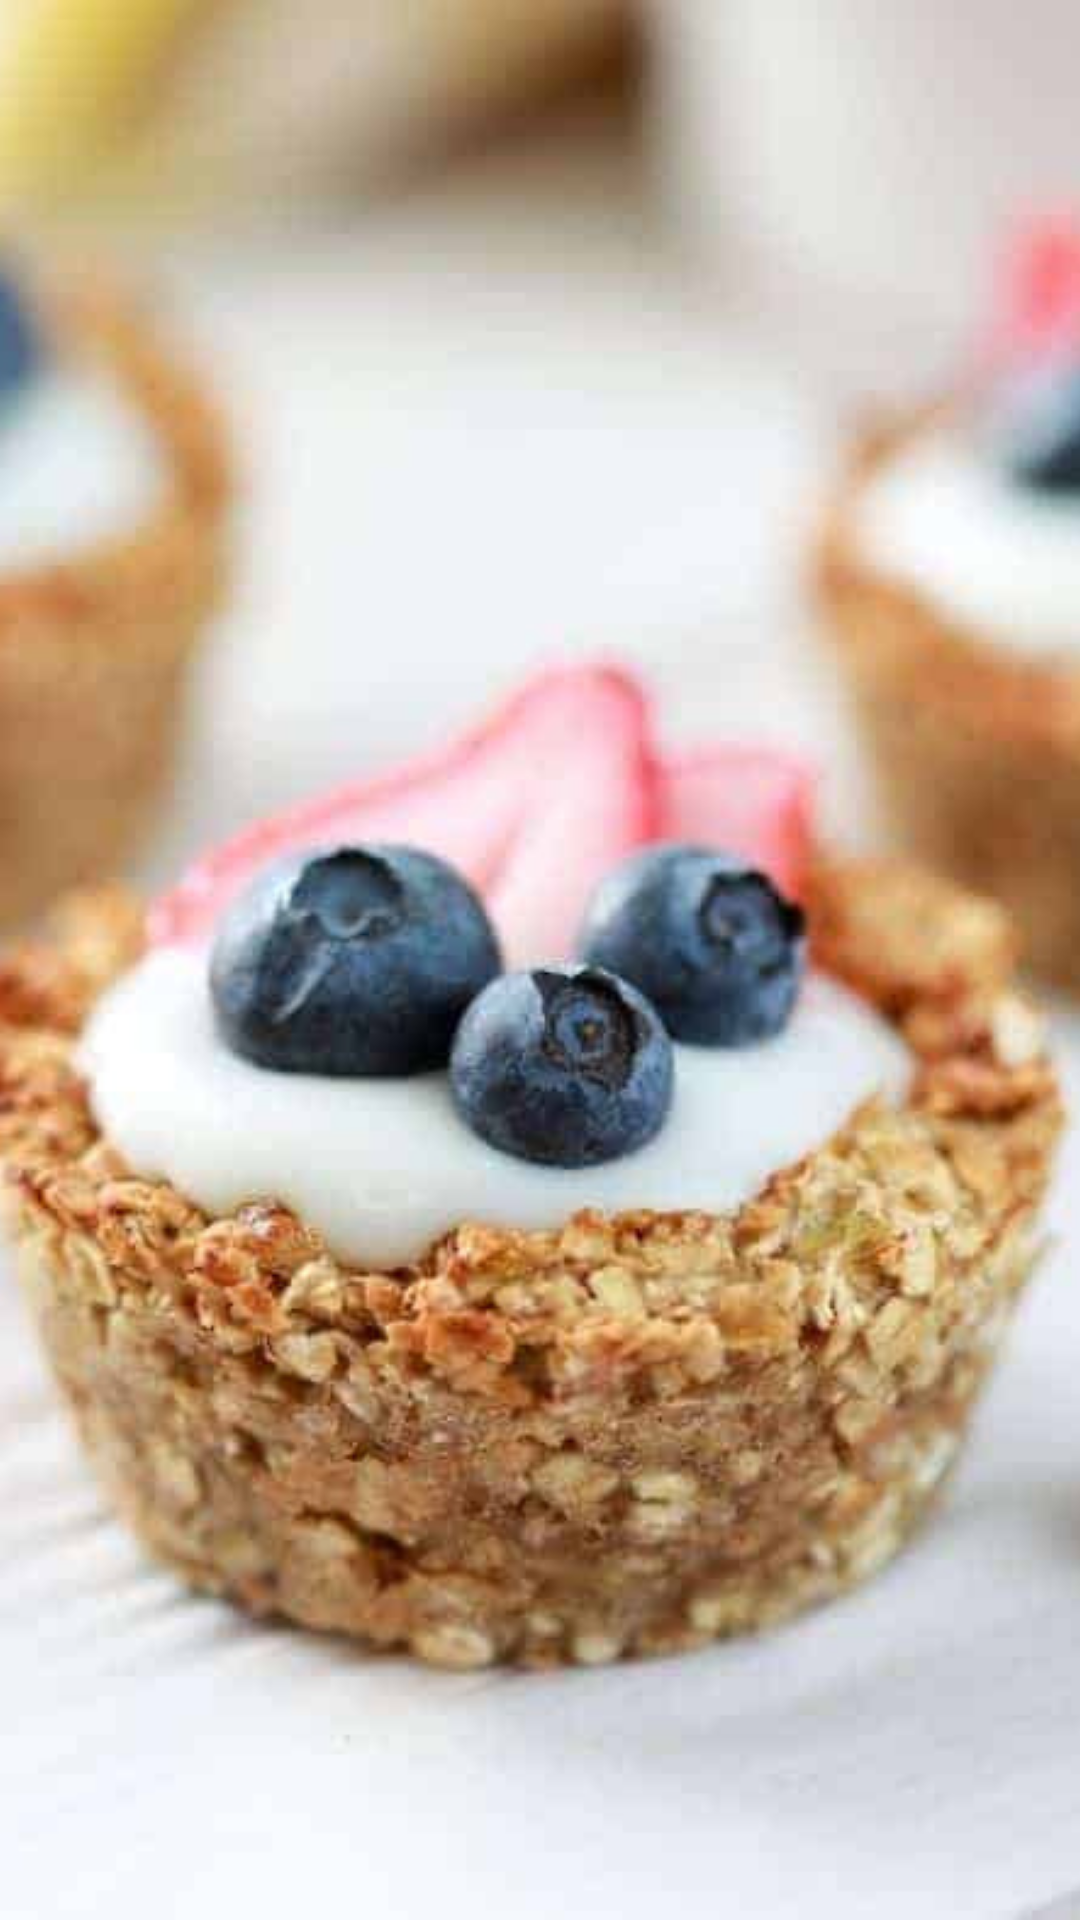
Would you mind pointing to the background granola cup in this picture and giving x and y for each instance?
(976, 751)
(93, 650)
(627, 1436)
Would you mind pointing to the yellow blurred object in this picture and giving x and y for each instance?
(185, 99)
(70, 71)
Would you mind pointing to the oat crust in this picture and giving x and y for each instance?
(93, 650)
(628, 1436)
(977, 752)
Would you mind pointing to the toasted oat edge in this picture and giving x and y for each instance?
(611, 1316)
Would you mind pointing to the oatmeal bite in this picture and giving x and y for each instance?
(113, 549)
(948, 579)
(624, 1280)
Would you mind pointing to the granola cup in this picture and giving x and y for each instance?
(628, 1436)
(93, 650)
(976, 751)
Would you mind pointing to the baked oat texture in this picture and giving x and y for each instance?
(976, 751)
(93, 651)
(629, 1436)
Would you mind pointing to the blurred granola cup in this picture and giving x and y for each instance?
(975, 749)
(95, 645)
(627, 1436)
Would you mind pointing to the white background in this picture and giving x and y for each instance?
(488, 426)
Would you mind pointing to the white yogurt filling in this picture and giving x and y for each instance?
(78, 466)
(383, 1167)
(990, 554)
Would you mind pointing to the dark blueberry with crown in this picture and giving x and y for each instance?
(710, 941)
(355, 961)
(1036, 429)
(20, 348)
(564, 1066)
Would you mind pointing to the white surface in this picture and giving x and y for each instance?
(78, 465)
(385, 1167)
(541, 448)
(999, 558)
(866, 157)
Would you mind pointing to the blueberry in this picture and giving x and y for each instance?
(566, 1066)
(359, 960)
(1036, 430)
(710, 941)
(19, 347)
